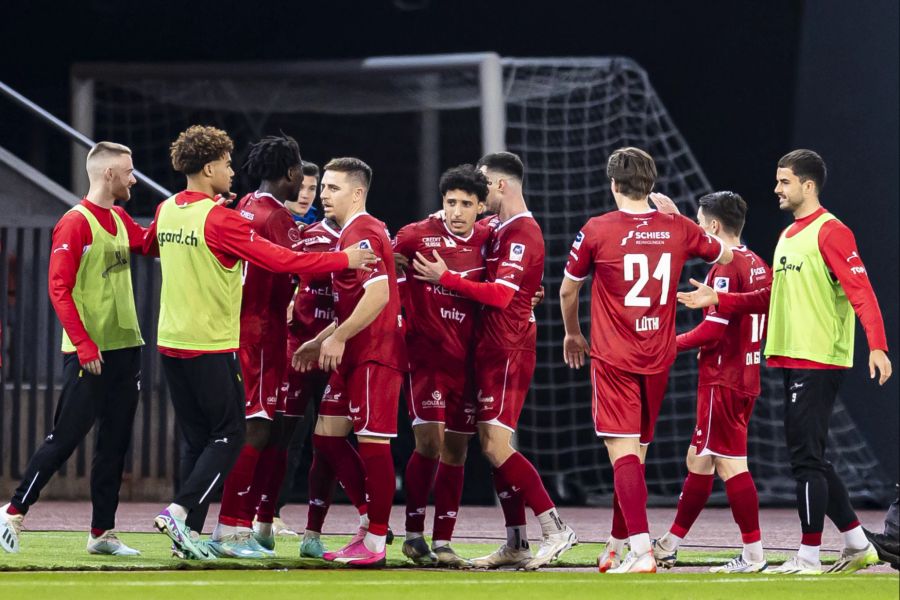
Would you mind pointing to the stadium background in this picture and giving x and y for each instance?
(775, 75)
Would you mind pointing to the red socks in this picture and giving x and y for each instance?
(380, 484)
(347, 466)
(520, 473)
(238, 483)
(273, 464)
(694, 495)
(448, 487)
(321, 490)
(744, 501)
(420, 472)
(619, 529)
(631, 490)
(512, 502)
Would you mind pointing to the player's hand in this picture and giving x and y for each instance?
(575, 350)
(427, 270)
(538, 297)
(664, 204)
(702, 297)
(331, 353)
(880, 361)
(401, 263)
(225, 199)
(360, 258)
(306, 357)
(94, 367)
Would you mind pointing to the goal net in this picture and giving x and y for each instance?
(563, 117)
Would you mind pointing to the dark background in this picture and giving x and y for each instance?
(745, 82)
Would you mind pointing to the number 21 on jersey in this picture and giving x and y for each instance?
(637, 266)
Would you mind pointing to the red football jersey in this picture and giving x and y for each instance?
(313, 301)
(733, 362)
(439, 321)
(382, 341)
(636, 261)
(514, 258)
(266, 295)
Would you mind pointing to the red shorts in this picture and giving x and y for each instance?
(368, 394)
(722, 418)
(626, 404)
(262, 367)
(502, 379)
(299, 389)
(435, 395)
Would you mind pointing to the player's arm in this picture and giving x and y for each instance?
(229, 233)
(839, 250)
(307, 355)
(575, 346)
(70, 236)
(490, 293)
(710, 331)
(136, 233)
(755, 302)
(373, 301)
(150, 247)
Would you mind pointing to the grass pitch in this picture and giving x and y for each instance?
(55, 565)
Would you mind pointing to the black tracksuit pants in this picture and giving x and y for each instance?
(110, 400)
(208, 396)
(809, 401)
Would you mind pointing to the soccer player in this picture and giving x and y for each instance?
(818, 282)
(199, 321)
(505, 358)
(439, 337)
(727, 387)
(635, 255)
(257, 475)
(302, 208)
(367, 349)
(90, 289)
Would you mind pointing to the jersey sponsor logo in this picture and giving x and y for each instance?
(721, 284)
(578, 239)
(441, 290)
(484, 399)
(517, 252)
(324, 290)
(757, 272)
(788, 266)
(324, 314)
(646, 237)
(177, 237)
(646, 324)
(119, 261)
(513, 265)
(452, 314)
(852, 256)
(247, 215)
(433, 241)
(857, 270)
(643, 223)
(319, 239)
(63, 248)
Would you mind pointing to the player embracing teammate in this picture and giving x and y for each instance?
(635, 255)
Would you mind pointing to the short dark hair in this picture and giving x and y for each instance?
(506, 163)
(726, 207)
(466, 178)
(272, 157)
(353, 167)
(309, 169)
(633, 171)
(198, 145)
(806, 165)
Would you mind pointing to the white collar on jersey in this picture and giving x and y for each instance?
(634, 212)
(351, 219)
(503, 224)
(459, 237)
(259, 194)
(336, 234)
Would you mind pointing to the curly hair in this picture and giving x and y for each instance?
(198, 145)
(466, 178)
(272, 157)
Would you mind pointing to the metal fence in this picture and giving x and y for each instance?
(32, 377)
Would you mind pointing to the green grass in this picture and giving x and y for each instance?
(55, 565)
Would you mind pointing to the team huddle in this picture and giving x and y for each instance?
(265, 311)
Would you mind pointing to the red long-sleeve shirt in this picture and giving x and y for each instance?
(231, 238)
(838, 247)
(71, 238)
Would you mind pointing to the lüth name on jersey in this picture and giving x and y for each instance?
(646, 324)
(453, 314)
